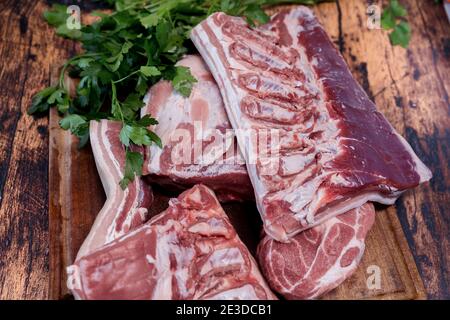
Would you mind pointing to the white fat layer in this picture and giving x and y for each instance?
(221, 259)
(178, 110)
(104, 229)
(246, 292)
(139, 213)
(342, 207)
(166, 248)
(231, 100)
(423, 171)
(108, 168)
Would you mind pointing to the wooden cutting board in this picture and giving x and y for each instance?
(76, 196)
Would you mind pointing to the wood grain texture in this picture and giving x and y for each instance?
(75, 198)
(27, 49)
(409, 86)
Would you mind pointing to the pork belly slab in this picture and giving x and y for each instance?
(123, 210)
(329, 150)
(198, 143)
(319, 259)
(189, 251)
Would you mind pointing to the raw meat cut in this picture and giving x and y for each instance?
(189, 251)
(198, 143)
(317, 260)
(328, 150)
(123, 210)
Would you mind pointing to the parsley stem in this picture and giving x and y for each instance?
(126, 77)
(115, 102)
(68, 63)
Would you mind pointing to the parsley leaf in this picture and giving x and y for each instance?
(150, 20)
(150, 71)
(39, 102)
(137, 133)
(73, 122)
(182, 80)
(61, 98)
(255, 13)
(78, 125)
(401, 33)
(397, 9)
(147, 121)
(132, 104)
(58, 17)
(387, 19)
(133, 167)
(124, 136)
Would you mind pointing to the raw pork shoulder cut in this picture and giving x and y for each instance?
(190, 251)
(123, 210)
(199, 146)
(317, 260)
(334, 150)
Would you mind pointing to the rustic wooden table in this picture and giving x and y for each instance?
(411, 87)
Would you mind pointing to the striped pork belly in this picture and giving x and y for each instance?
(123, 210)
(198, 145)
(317, 260)
(189, 251)
(329, 150)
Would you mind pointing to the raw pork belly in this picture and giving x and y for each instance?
(317, 260)
(190, 251)
(334, 151)
(123, 210)
(214, 159)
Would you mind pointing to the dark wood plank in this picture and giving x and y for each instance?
(76, 196)
(27, 49)
(409, 86)
(424, 212)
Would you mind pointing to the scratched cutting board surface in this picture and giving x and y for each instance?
(76, 196)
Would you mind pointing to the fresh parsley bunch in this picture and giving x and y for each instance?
(124, 53)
